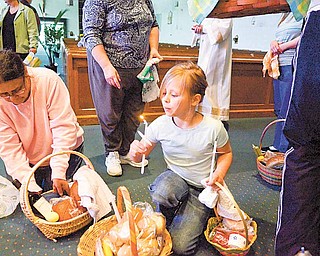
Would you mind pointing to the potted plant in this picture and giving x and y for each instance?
(52, 39)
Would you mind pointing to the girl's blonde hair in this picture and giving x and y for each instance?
(191, 77)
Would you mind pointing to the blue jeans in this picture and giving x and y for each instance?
(282, 92)
(186, 216)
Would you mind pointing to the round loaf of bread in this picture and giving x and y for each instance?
(275, 162)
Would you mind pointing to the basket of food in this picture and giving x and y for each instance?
(269, 164)
(136, 231)
(67, 216)
(228, 236)
(240, 8)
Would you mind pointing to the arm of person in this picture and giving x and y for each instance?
(64, 128)
(154, 43)
(33, 31)
(224, 161)
(94, 22)
(292, 44)
(13, 154)
(110, 73)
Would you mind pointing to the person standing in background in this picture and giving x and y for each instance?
(287, 36)
(28, 3)
(298, 222)
(120, 37)
(215, 58)
(19, 30)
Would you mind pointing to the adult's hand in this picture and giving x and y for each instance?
(60, 186)
(155, 54)
(112, 76)
(197, 28)
(275, 47)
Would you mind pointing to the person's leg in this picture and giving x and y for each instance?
(186, 216)
(132, 107)
(167, 192)
(188, 224)
(284, 84)
(277, 106)
(108, 102)
(298, 215)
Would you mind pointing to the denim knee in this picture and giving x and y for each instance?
(168, 189)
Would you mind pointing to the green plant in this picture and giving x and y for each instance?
(52, 37)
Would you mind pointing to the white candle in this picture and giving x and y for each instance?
(144, 155)
(213, 162)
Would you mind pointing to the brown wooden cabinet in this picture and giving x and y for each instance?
(251, 94)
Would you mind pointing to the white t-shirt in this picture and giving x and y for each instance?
(186, 150)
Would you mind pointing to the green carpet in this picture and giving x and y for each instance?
(18, 236)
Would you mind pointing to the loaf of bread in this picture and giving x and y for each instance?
(275, 162)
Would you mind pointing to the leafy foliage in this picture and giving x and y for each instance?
(52, 37)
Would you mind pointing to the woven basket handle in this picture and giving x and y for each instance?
(231, 198)
(24, 199)
(123, 199)
(267, 128)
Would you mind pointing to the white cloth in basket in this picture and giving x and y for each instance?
(94, 193)
(226, 208)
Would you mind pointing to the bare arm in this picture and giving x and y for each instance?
(223, 164)
(110, 73)
(154, 43)
(290, 44)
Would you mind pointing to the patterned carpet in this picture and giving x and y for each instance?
(18, 236)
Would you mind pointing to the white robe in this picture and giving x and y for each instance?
(215, 58)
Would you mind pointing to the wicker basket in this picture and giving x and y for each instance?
(240, 8)
(213, 222)
(53, 230)
(88, 240)
(270, 175)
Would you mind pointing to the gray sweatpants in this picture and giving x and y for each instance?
(118, 110)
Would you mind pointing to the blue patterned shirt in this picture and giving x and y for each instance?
(122, 26)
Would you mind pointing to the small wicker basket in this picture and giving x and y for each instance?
(53, 230)
(240, 8)
(88, 240)
(213, 222)
(271, 175)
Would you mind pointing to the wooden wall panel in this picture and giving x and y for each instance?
(251, 94)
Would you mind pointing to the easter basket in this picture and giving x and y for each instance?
(240, 8)
(270, 173)
(53, 230)
(88, 241)
(215, 222)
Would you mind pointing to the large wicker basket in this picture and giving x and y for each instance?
(213, 222)
(240, 8)
(270, 175)
(88, 240)
(53, 230)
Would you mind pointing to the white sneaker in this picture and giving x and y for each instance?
(113, 164)
(126, 160)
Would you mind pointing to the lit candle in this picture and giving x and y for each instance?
(144, 155)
